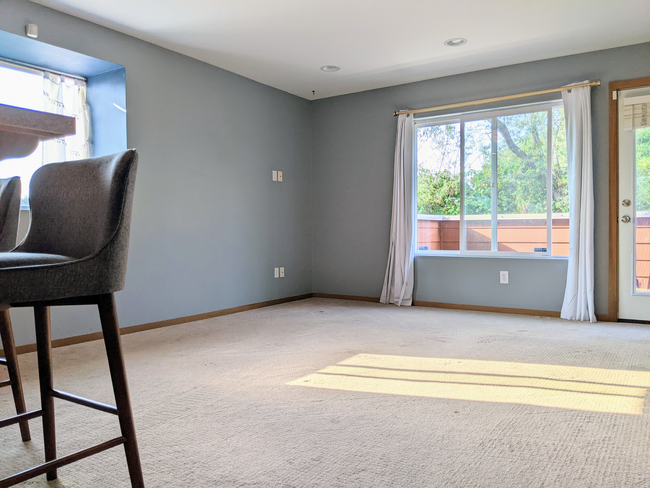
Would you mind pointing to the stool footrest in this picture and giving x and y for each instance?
(18, 418)
(102, 407)
(6, 383)
(3, 361)
(57, 463)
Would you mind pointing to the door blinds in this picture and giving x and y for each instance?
(636, 112)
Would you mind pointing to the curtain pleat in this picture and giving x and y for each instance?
(398, 280)
(579, 293)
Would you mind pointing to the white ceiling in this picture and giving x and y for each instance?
(377, 43)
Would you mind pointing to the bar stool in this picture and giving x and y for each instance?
(75, 254)
(9, 216)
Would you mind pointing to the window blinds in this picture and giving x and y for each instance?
(636, 112)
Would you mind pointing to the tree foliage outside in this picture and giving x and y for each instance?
(439, 169)
(521, 166)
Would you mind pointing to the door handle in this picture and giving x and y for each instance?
(625, 219)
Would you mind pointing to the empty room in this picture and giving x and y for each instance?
(328, 244)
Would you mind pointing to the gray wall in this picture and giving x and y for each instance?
(352, 158)
(209, 225)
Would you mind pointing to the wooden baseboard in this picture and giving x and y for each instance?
(346, 297)
(454, 306)
(484, 308)
(95, 336)
(515, 311)
(69, 341)
(209, 315)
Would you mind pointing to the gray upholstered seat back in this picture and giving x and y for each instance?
(9, 212)
(79, 208)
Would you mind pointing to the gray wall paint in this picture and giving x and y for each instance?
(353, 146)
(209, 225)
(480, 282)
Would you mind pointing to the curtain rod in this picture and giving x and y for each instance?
(495, 99)
(38, 69)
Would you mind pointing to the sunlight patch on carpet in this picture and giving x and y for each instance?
(544, 385)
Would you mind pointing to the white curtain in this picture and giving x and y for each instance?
(66, 96)
(579, 293)
(398, 282)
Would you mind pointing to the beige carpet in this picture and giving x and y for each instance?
(330, 393)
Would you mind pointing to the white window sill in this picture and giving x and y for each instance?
(430, 254)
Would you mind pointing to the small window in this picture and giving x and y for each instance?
(493, 183)
(43, 91)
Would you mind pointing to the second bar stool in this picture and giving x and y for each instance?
(9, 217)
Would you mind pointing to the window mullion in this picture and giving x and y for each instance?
(494, 241)
(549, 183)
(463, 246)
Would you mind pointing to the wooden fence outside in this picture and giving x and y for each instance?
(522, 235)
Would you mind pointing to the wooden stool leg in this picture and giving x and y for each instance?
(44, 355)
(7, 336)
(110, 327)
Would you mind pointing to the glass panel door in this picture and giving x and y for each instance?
(642, 218)
(633, 212)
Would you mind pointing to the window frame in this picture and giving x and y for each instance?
(487, 114)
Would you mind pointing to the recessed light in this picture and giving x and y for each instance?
(330, 68)
(455, 42)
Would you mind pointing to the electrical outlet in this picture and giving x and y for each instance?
(503, 277)
(275, 175)
(282, 272)
(276, 273)
(280, 176)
